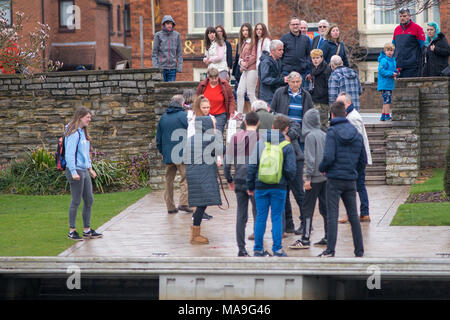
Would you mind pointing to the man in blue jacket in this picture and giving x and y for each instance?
(174, 119)
(344, 156)
(271, 195)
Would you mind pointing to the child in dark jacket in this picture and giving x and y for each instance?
(239, 150)
(387, 72)
(271, 195)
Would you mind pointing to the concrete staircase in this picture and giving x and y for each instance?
(376, 173)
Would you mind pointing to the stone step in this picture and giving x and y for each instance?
(376, 180)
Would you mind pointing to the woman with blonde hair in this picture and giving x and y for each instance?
(77, 144)
(333, 45)
(247, 65)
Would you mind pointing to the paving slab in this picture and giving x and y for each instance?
(145, 229)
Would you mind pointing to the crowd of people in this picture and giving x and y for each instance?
(303, 134)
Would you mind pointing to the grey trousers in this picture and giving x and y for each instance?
(80, 189)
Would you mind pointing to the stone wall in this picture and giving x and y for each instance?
(33, 112)
(420, 128)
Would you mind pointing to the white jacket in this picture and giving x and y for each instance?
(356, 120)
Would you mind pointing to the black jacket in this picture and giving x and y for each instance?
(236, 72)
(296, 53)
(436, 61)
(229, 55)
(281, 100)
(270, 79)
(320, 76)
(344, 155)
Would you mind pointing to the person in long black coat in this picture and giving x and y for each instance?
(201, 173)
(435, 57)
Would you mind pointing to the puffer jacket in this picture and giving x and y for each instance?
(386, 68)
(167, 51)
(201, 172)
(174, 118)
(344, 154)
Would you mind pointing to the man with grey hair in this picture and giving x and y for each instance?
(265, 117)
(304, 30)
(269, 71)
(343, 79)
(320, 38)
(173, 119)
(293, 101)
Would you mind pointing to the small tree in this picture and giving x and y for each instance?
(447, 173)
(18, 55)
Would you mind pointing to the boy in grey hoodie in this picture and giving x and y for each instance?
(167, 53)
(315, 182)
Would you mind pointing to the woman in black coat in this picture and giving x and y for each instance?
(201, 170)
(435, 57)
(320, 74)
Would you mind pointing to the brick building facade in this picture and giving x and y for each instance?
(110, 30)
(98, 38)
(362, 25)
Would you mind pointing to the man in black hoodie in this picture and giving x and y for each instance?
(343, 157)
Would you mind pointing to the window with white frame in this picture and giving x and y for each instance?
(379, 14)
(5, 7)
(230, 14)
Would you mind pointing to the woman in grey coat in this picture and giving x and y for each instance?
(201, 173)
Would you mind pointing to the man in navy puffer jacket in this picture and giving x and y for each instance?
(344, 155)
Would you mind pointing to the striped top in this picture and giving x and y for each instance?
(295, 106)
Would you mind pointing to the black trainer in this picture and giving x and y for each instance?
(261, 253)
(185, 209)
(280, 253)
(206, 216)
(326, 254)
(243, 254)
(92, 234)
(322, 242)
(74, 236)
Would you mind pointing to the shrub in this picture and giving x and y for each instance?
(36, 174)
(447, 173)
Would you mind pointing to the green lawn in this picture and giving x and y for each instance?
(422, 214)
(434, 184)
(38, 225)
(428, 213)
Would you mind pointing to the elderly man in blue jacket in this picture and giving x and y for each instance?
(343, 157)
(174, 119)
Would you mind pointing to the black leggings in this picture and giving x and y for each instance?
(198, 215)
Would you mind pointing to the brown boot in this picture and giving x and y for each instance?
(196, 238)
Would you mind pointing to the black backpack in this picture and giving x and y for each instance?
(61, 151)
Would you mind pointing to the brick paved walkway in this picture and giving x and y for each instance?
(145, 229)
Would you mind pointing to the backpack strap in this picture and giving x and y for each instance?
(76, 149)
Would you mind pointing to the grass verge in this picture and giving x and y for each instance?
(425, 213)
(38, 225)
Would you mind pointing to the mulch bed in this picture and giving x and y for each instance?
(428, 197)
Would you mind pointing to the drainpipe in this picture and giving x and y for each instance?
(43, 22)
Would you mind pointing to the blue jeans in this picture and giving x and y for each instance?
(362, 192)
(275, 199)
(345, 189)
(221, 121)
(169, 75)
